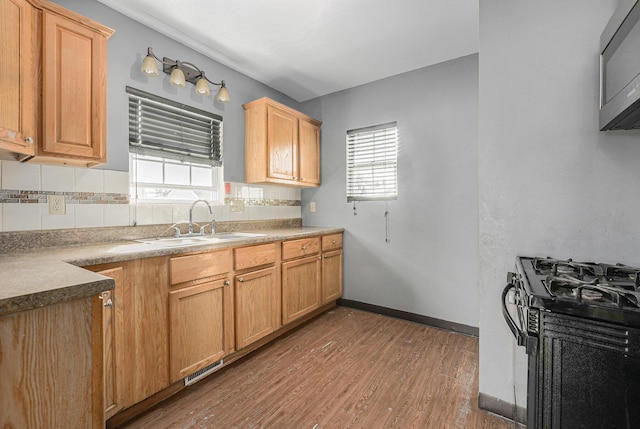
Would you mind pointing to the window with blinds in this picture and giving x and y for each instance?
(164, 128)
(372, 163)
(175, 151)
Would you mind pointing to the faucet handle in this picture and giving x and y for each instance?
(212, 225)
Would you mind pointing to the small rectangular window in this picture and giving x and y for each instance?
(372, 163)
(175, 150)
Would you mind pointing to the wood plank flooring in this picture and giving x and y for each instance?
(344, 369)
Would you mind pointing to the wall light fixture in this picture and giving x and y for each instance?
(181, 72)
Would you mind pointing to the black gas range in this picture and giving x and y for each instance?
(580, 325)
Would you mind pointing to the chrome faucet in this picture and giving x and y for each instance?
(213, 222)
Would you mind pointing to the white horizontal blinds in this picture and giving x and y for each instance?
(372, 163)
(164, 128)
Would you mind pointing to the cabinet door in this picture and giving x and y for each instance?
(198, 329)
(331, 276)
(17, 77)
(74, 90)
(309, 158)
(282, 141)
(300, 287)
(146, 326)
(112, 324)
(256, 306)
(47, 368)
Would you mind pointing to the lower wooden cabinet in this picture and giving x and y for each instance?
(146, 329)
(300, 287)
(201, 316)
(136, 336)
(48, 361)
(169, 317)
(256, 306)
(111, 307)
(331, 276)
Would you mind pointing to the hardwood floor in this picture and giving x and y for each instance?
(345, 369)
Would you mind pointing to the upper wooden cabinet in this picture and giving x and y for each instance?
(18, 92)
(282, 145)
(62, 56)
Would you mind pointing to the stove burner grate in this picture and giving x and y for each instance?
(556, 267)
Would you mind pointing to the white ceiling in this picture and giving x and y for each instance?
(309, 48)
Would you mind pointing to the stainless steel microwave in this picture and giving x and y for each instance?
(620, 69)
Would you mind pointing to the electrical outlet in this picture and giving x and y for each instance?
(57, 204)
(312, 206)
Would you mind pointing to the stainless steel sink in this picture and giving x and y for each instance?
(199, 239)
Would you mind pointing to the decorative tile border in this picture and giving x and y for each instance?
(260, 202)
(26, 197)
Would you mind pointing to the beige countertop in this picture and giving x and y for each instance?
(39, 277)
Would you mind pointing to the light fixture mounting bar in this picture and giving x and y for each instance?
(190, 74)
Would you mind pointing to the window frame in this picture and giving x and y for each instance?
(378, 155)
(178, 153)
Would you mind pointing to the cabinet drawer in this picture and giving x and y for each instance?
(304, 246)
(193, 267)
(254, 256)
(330, 242)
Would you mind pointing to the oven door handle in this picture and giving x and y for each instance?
(521, 337)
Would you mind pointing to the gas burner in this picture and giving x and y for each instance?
(590, 295)
(559, 267)
(622, 275)
(566, 285)
(572, 288)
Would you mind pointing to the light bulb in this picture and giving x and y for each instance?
(202, 87)
(149, 66)
(223, 94)
(177, 77)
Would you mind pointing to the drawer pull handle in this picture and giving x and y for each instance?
(227, 283)
(304, 247)
(241, 279)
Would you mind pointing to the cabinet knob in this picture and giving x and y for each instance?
(319, 257)
(333, 241)
(302, 179)
(241, 279)
(29, 140)
(295, 177)
(304, 247)
(227, 283)
(325, 256)
(108, 303)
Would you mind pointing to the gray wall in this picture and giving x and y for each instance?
(430, 265)
(128, 47)
(550, 182)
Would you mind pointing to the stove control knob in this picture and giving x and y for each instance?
(513, 278)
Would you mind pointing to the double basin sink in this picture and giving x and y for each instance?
(199, 239)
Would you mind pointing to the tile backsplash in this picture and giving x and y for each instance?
(100, 198)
